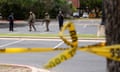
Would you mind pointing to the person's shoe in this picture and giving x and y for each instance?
(46, 30)
(11, 30)
(30, 30)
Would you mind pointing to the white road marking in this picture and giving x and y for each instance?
(58, 45)
(54, 39)
(79, 41)
(11, 43)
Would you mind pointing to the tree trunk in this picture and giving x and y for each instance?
(112, 26)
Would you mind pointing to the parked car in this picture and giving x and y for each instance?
(85, 15)
(76, 14)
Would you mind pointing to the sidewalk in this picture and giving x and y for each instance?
(21, 29)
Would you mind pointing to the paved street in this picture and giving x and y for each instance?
(81, 62)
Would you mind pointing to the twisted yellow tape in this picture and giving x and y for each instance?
(67, 54)
(111, 52)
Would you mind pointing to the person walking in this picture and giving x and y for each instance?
(11, 22)
(31, 21)
(60, 18)
(47, 21)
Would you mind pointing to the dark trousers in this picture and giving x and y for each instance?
(60, 24)
(11, 24)
(31, 25)
(47, 25)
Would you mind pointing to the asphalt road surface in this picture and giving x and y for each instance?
(81, 62)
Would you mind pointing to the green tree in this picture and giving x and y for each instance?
(60, 5)
(18, 7)
(21, 8)
(91, 3)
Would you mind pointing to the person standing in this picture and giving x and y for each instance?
(31, 21)
(60, 18)
(47, 20)
(11, 22)
(101, 29)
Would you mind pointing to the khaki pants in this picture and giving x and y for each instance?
(101, 30)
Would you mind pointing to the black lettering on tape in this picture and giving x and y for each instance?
(69, 25)
(72, 45)
(71, 53)
(112, 52)
(63, 57)
(2, 50)
(118, 53)
(73, 35)
(115, 52)
(52, 64)
(65, 41)
(56, 49)
(60, 48)
(57, 61)
(95, 45)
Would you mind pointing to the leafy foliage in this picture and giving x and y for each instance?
(91, 3)
(21, 8)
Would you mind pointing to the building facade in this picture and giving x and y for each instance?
(75, 3)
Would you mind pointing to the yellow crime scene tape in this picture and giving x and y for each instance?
(24, 50)
(67, 54)
(111, 52)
